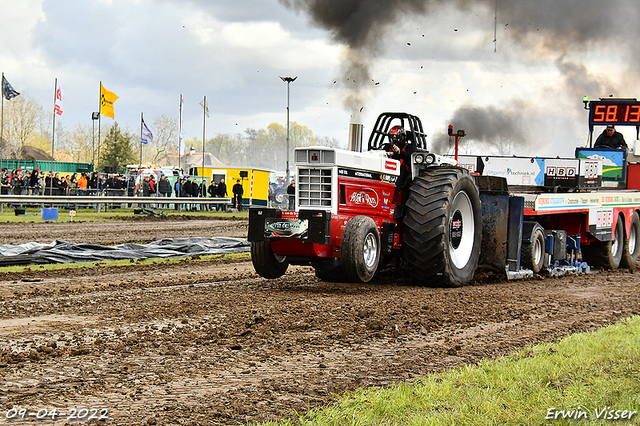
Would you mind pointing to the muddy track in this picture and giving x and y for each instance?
(209, 342)
(138, 229)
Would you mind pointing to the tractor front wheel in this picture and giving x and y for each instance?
(360, 249)
(266, 263)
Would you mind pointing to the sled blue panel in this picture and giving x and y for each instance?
(49, 213)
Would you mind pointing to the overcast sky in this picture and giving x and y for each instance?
(354, 59)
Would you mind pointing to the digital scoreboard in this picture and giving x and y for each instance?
(614, 111)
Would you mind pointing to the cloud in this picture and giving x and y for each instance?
(149, 52)
(433, 58)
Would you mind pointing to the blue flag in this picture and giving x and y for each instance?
(147, 136)
(7, 90)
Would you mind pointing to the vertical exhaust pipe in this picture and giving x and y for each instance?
(355, 137)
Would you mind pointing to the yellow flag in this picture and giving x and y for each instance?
(107, 99)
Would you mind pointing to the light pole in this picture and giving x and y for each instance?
(94, 116)
(288, 80)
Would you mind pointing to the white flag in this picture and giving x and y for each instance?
(205, 106)
(147, 136)
(58, 103)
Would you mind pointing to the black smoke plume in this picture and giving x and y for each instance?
(490, 126)
(360, 27)
(548, 31)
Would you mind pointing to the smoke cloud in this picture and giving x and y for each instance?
(360, 27)
(495, 128)
(542, 31)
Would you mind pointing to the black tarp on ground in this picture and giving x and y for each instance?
(64, 252)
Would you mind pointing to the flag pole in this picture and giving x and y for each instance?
(99, 126)
(204, 120)
(2, 124)
(9, 92)
(53, 137)
(141, 121)
(180, 137)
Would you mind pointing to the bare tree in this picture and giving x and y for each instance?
(269, 150)
(24, 119)
(226, 148)
(328, 141)
(80, 143)
(165, 137)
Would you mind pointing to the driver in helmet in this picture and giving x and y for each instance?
(401, 150)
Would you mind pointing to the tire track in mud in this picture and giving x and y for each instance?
(210, 342)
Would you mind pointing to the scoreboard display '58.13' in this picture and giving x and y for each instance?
(625, 111)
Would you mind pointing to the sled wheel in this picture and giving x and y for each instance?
(632, 246)
(266, 263)
(443, 228)
(360, 249)
(532, 252)
(607, 255)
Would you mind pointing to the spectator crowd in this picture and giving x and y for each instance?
(19, 182)
(36, 182)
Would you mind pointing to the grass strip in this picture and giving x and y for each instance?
(584, 379)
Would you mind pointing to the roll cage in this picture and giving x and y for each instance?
(379, 138)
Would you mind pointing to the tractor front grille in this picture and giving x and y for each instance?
(314, 187)
(315, 156)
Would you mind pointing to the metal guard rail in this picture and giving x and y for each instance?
(101, 200)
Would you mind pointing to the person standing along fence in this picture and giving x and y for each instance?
(164, 189)
(221, 192)
(238, 192)
(203, 194)
(212, 190)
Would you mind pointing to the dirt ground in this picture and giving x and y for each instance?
(209, 342)
(138, 229)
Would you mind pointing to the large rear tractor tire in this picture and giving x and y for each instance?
(266, 263)
(532, 251)
(360, 249)
(443, 228)
(607, 255)
(632, 245)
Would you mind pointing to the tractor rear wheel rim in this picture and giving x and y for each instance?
(461, 224)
